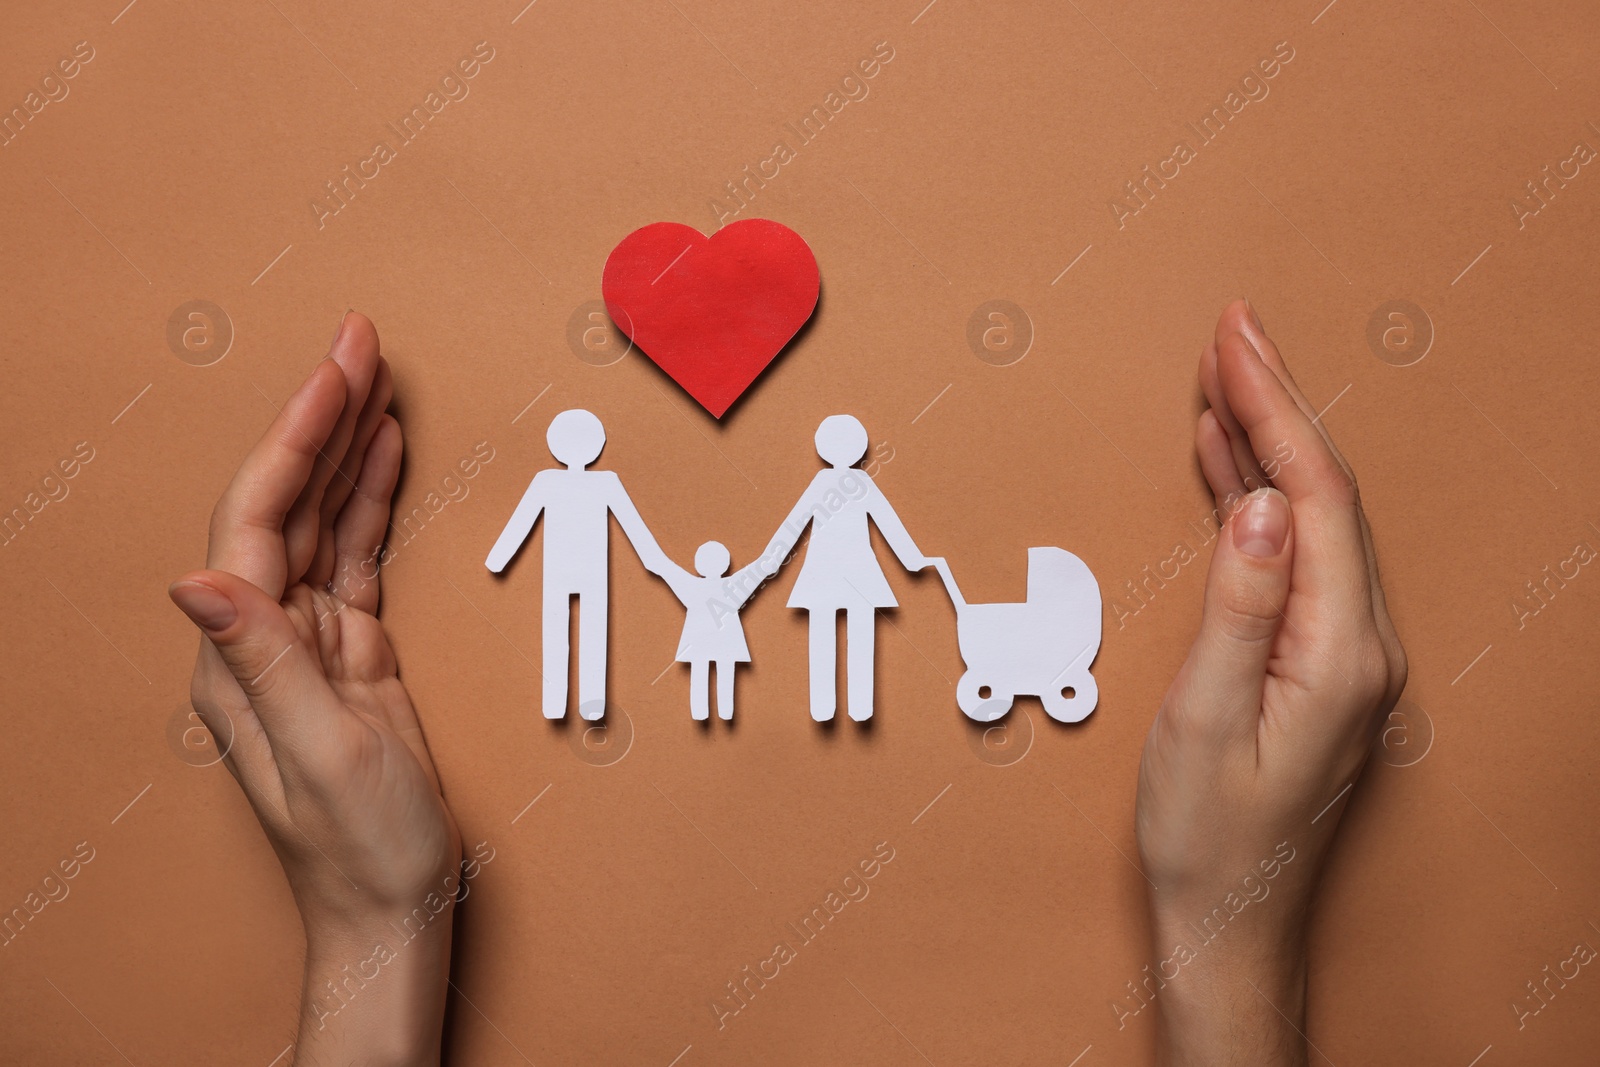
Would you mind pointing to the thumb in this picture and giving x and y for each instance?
(1246, 590)
(261, 646)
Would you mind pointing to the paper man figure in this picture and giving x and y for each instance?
(712, 632)
(841, 572)
(577, 505)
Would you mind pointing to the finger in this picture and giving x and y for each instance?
(1244, 460)
(362, 525)
(1388, 635)
(247, 523)
(343, 484)
(226, 713)
(1332, 552)
(1247, 588)
(278, 670)
(355, 352)
(1240, 317)
(1216, 458)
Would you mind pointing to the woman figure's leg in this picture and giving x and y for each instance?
(824, 653)
(725, 669)
(860, 627)
(699, 698)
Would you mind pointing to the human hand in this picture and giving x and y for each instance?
(1269, 720)
(326, 744)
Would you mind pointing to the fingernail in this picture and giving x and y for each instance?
(209, 609)
(1262, 525)
(1254, 318)
(340, 331)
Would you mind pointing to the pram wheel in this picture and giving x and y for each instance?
(1075, 708)
(981, 703)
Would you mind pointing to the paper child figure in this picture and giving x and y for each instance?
(841, 571)
(712, 632)
(577, 505)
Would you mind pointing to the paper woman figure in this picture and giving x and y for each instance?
(841, 572)
(712, 632)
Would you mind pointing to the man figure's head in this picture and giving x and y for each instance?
(575, 438)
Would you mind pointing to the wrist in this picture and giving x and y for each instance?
(374, 989)
(1228, 994)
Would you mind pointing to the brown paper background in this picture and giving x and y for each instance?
(1384, 160)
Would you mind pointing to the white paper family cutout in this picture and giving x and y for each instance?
(841, 571)
(577, 505)
(1042, 647)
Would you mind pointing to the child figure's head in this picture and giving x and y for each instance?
(711, 559)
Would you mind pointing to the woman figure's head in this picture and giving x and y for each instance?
(841, 440)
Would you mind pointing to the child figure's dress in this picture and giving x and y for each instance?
(712, 631)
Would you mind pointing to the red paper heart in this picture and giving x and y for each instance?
(711, 311)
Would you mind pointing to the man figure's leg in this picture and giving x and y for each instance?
(592, 617)
(556, 615)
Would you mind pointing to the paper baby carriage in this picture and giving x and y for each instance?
(1042, 647)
